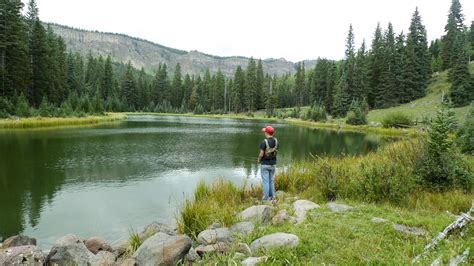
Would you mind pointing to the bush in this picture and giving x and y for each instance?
(6, 108)
(198, 109)
(356, 118)
(397, 119)
(317, 112)
(443, 167)
(357, 114)
(22, 107)
(44, 108)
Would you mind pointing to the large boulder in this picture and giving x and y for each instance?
(69, 250)
(275, 240)
(162, 249)
(257, 213)
(242, 228)
(336, 207)
(22, 255)
(97, 244)
(18, 240)
(302, 207)
(212, 236)
(103, 258)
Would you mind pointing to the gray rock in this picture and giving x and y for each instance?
(239, 255)
(212, 236)
(242, 228)
(192, 255)
(281, 217)
(220, 247)
(214, 226)
(22, 255)
(19, 240)
(275, 240)
(379, 220)
(97, 244)
(336, 207)
(254, 261)
(162, 249)
(302, 207)
(154, 228)
(416, 231)
(103, 258)
(258, 213)
(243, 248)
(69, 250)
(126, 262)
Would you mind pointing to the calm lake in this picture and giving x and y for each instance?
(106, 179)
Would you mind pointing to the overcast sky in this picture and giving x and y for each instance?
(293, 29)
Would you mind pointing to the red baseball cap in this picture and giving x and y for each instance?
(268, 129)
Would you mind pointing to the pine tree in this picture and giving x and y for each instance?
(453, 28)
(14, 67)
(260, 99)
(251, 86)
(238, 90)
(177, 87)
(300, 84)
(32, 14)
(375, 65)
(107, 79)
(360, 81)
(129, 88)
(385, 95)
(416, 60)
(462, 89)
(41, 76)
(218, 91)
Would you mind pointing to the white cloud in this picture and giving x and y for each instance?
(295, 30)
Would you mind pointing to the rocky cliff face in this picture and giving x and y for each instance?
(142, 53)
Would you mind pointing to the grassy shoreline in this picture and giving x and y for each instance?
(46, 122)
(411, 132)
(381, 184)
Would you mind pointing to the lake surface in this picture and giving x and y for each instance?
(106, 179)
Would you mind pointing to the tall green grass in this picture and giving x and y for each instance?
(217, 202)
(38, 122)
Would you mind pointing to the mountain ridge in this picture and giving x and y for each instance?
(148, 54)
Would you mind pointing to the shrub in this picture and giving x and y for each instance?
(317, 112)
(443, 166)
(357, 114)
(22, 107)
(44, 108)
(198, 109)
(397, 119)
(6, 108)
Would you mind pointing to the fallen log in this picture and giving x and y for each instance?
(459, 223)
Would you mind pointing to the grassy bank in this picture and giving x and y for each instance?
(423, 108)
(381, 184)
(38, 122)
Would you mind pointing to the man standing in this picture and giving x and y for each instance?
(267, 159)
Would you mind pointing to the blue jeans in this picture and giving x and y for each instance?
(268, 181)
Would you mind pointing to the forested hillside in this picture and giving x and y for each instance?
(40, 77)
